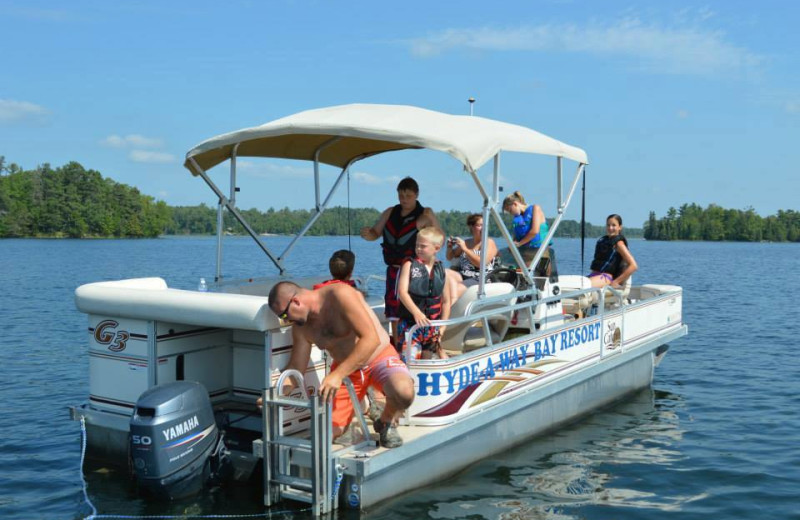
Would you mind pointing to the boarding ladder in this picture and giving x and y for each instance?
(312, 455)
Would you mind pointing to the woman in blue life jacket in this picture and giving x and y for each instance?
(613, 262)
(530, 229)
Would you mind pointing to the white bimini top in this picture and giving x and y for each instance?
(347, 133)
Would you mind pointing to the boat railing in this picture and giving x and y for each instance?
(474, 314)
(364, 282)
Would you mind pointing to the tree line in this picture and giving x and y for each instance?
(692, 222)
(71, 201)
(202, 219)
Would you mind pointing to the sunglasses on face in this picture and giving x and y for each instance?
(285, 314)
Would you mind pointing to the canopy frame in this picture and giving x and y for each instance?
(491, 198)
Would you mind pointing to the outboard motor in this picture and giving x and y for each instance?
(175, 446)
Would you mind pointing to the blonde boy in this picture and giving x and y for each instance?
(421, 290)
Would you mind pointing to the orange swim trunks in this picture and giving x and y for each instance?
(374, 374)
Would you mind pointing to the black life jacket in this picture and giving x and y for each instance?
(425, 289)
(400, 235)
(606, 257)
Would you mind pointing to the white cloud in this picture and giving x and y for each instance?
(149, 156)
(368, 178)
(793, 107)
(13, 111)
(459, 185)
(686, 49)
(132, 140)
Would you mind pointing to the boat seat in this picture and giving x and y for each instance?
(611, 298)
(579, 306)
(467, 336)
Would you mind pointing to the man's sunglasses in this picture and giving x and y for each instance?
(285, 314)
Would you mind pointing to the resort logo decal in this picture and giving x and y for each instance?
(105, 334)
(613, 336)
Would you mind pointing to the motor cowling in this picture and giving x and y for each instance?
(176, 448)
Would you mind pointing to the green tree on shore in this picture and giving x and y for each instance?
(71, 201)
(692, 222)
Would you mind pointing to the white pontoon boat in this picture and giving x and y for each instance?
(525, 356)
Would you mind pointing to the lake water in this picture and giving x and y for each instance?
(716, 436)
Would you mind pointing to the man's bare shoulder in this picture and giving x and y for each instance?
(341, 294)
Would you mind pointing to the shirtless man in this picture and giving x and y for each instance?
(337, 318)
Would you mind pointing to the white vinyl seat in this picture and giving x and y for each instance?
(579, 305)
(611, 298)
(467, 336)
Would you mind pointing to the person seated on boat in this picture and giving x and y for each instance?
(530, 229)
(613, 262)
(424, 296)
(338, 319)
(468, 253)
(341, 266)
(398, 225)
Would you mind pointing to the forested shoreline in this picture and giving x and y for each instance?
(716, 224)
(73, 202)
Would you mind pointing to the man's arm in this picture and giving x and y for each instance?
(355, 314)
(375, 232)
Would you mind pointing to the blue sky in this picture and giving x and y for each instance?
(673, 101)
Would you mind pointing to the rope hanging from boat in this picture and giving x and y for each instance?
(349, 245)
(583, 217)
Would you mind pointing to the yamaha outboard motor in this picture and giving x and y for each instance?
(176, 448)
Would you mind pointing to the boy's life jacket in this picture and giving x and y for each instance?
(351, 283)
(425, 289)
(400, 235)
(606, 257)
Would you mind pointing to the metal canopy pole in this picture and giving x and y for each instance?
(317, 213)
(318, 208)
(491, 209)
(221, 216)
(199, 171)
(498, 219)
(557, 221)
(492, 201)
(558, 168)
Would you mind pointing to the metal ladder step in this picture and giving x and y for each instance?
(277, 449)
(292, 442)
(303, 484)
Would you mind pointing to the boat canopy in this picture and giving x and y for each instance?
(343, 134)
